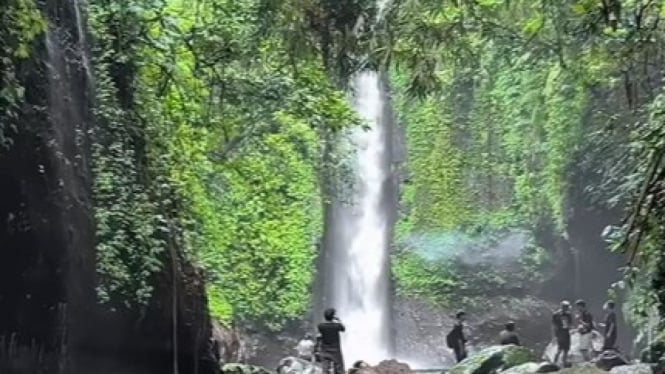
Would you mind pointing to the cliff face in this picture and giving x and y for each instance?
(50, 320)
(47, 231)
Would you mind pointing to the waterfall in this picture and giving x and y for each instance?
(359, 233)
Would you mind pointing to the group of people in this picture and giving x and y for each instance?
(327, 347)
(563, 323)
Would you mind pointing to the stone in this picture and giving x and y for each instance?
(632, 369)
(244, 369)
(528, 368)
(294, 365)
(532, 368)
(384, 367)
(583, 369)
(610, 359)
(492, 359)
(547, 367)
(393, 367)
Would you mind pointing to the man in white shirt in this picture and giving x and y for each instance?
(305, 348)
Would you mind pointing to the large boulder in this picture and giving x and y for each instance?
(574, 355)
(632, 369)
(384, 367)
(532, 368)
(492, 359)
(610, 359)
(244, 369)
(294, 365)
(392, 367)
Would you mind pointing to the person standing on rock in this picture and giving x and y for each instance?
(456, 339)
(305, 348)
(562, 321)
(330, 349)
(610, 325)
(508, 335)
(585, 328)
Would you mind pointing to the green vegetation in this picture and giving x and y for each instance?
(20, 24)
(525, 110)
(211, 143)
(217, 123)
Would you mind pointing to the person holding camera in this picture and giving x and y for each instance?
(330, 349)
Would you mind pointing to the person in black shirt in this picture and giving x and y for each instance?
(610, 332)
(561, 323)
(456, 339)
(330, 349)
(585, 328)
(508, 335)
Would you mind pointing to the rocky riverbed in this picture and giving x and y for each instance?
(491, 360)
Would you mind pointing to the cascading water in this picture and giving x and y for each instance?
(356, 270)
(358, 240)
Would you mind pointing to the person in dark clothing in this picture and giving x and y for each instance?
(330, 349)
(585, 328)
(456, 339)
(508, 335)
(610, 325)
(562, 320)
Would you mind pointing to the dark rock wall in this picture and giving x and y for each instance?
(50, 320)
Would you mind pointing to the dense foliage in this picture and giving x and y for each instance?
(525, 104)
(212, 144)
(20, 24)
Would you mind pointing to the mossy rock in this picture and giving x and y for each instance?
(528, 368)
(532, 368)
(632, 369)
(584, 369)
(492, 359)
(244, 369)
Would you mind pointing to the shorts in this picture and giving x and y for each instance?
(586, 342)
(563, 341)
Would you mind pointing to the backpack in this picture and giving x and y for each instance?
(450, 339)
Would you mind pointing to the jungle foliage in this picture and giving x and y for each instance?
(530, 108)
